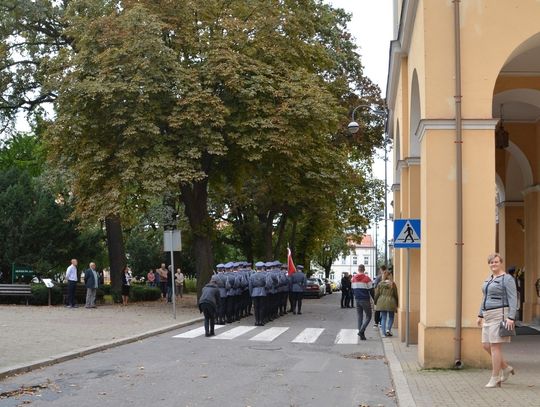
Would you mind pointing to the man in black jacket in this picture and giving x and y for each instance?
(209, 305)
(345, 290)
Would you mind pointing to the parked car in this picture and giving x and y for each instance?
(328, 286)
(314, 288)
(334, 285)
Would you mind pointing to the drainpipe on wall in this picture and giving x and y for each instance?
(459, 190)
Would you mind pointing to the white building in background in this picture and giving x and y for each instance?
(360, 253)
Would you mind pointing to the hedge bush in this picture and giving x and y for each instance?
(40, 295)
(144, 293)
(190, 285)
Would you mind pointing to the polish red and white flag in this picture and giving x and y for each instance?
(290, 263)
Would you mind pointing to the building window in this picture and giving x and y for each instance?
(354, 260)
(343, 260)
(366, 260)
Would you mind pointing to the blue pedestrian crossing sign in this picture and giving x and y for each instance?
(407, 233)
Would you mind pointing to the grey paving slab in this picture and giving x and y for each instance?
(35, 336)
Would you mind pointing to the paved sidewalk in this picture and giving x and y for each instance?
(34, 336)
(439, 387)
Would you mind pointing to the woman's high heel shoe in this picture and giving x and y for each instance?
(495, 381)
(505, 373)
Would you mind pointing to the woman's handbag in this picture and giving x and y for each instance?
(503, 329)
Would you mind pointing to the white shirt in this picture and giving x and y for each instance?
(71, 273)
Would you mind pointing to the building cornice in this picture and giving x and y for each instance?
(450, 124)
(408, 162)
(395, 187)
(398, 49)
(506, 204)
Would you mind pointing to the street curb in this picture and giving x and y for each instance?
(63, 357)
(403, 392)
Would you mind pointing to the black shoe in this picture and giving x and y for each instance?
(294, 312)
(212, 333)
(207, 334)
(299, 313)
(362, 336)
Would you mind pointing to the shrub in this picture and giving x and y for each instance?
(190, 285)
(144, 293)
(40, 295)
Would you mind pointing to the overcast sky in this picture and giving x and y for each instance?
(371, 25)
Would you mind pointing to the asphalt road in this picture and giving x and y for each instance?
(304, 360)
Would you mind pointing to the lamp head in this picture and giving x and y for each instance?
(353, 127)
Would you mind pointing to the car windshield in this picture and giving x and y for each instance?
(312, 281)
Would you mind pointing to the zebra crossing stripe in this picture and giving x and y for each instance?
(347, 337)
(196, 332)
(235, 332)
(269, 334)
(308, 335)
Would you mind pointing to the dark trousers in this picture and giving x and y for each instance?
(222, 316)
(344, 295)
(163, 286)
(209, 318)
(296, 301)
(377, 317)
(350, 299)
(363, 308)
(258, 304)
(72, 285)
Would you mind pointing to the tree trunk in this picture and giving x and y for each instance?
(195, 199)
(116, 250)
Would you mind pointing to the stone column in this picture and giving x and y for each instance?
(531, 305)
(436, 335)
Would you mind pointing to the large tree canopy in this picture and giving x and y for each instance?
(248, 97)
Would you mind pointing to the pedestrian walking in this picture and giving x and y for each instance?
(362, 289)
(91, 282)
(386, 302)
(499, 305)
(376, 282)
(126, 285)
(71, 277)
(345, 289)
(208, 305)
(179, 279)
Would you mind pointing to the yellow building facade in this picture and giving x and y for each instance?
(456, 68)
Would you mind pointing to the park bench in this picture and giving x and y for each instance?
(16, 290)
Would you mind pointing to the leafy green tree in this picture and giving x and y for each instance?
(23, 151)
(331, 251)
(153, 96)
(35, 230)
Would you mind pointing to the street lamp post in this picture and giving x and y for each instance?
(353, 128)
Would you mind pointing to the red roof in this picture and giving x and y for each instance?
(367, 241)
